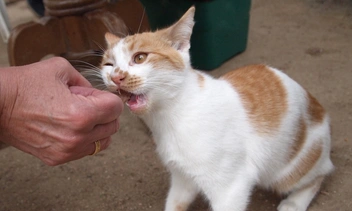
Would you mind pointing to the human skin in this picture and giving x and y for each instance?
(49, 110)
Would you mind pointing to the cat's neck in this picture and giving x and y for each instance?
(174, 108)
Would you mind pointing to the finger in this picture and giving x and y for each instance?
(54, 157)
(104, 143)
(88, 149)
(107, 106)
(104, 130)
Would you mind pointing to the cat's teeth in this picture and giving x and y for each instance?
(125, 96)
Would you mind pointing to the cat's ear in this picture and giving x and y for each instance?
(111, 39)
(180, 33)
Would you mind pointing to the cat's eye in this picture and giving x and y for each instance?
(108, 64)
(140, 58)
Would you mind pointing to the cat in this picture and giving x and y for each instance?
(221, 137)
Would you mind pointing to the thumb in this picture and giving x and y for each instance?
(66, 72)
(76, 79)
(109, 106)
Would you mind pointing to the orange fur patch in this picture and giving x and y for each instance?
(201, 80)
(317, 183)
(160, 53)
(315, 110)
(181, 207)
(263, 95)
(304, 165)
(111, 39)
(300, 138)
(130, 82)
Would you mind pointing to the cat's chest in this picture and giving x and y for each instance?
(187, 150)
(176, 148)
(179, 149)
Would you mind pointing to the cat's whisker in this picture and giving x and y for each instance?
(84, 62)
(88, 70)
(92, 53)
(121, 34)
(101, 87)
(94, 79)
(90, 73)
(98, 80)
(99, 46)
(140, 23)
(83, 55)
(85, 65)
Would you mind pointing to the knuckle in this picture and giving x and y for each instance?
(50, 162)
(79, 124)
(79, 119)
(56, 157)
(105, 143)
(114, 104)
(68, 143)
(72, 141)
(60, 61)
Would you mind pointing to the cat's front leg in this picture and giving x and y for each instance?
(232, 197)
(181, 194)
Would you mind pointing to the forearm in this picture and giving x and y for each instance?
(8, 94)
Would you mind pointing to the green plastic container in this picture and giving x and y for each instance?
(220, 32)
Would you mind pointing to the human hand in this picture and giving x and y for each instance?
(50, 111)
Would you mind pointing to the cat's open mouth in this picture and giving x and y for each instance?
(135, 102)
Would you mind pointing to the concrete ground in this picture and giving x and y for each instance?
(311, 40)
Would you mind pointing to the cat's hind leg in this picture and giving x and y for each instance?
(300, 199)
(181, 194)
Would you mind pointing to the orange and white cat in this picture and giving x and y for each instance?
(220, 137)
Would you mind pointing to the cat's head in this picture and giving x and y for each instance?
(148, 68)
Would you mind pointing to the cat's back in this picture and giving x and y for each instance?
(270, 96)
(289, 118)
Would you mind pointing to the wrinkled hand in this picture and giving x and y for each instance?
(50, 111)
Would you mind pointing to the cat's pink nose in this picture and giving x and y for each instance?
(117, 79)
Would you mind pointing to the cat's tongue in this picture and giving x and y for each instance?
(136, 102)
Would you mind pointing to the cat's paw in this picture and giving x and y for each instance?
(287, 205)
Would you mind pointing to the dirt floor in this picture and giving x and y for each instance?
(311, 40)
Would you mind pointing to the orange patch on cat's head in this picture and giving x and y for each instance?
(160, 53)
(164, 47)
(111, 39)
